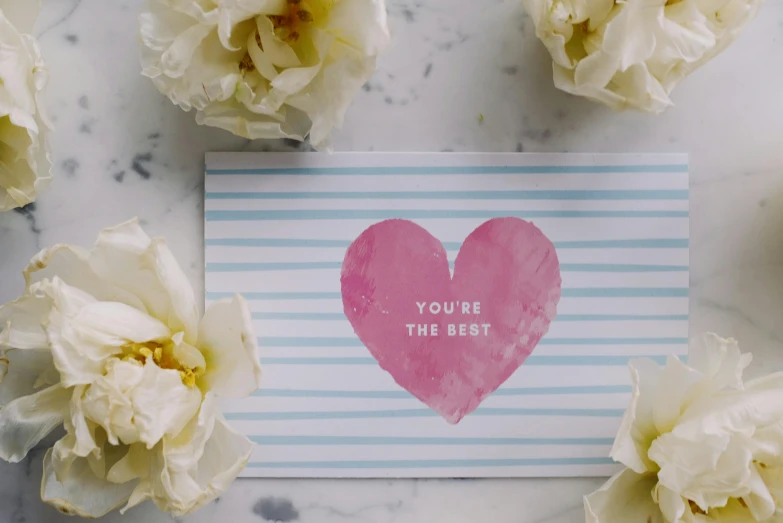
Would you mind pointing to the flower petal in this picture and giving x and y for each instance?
(275, 50)
(125, 256)
(71, 265)
(230, 347)
(21, 13)
(672, 505)
(371, 37)
(626, 498)
(26, 421)
(117, 324)
(720, 361)
(336, 87)
(81, 492)
(80, 440)
(759, 501)
(256, 124)
(21, 323)
(233, 12)
(630, 35)
(188, 356)
(654, 43)
(226, 75)
(225, 454)
(25, 160)
(108, 401)
(79, 352)
(674, 393)
(155, 418)
(134, 465)
(709, 469)
(28, 371)
(189, 470)
(637, 430)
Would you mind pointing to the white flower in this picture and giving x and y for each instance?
(264, 68)
(699, 445)
(25, 163)
(108, 342)
(632, 53)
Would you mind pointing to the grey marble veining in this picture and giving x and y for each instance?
(460, 76)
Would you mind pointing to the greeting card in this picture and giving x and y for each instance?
(447, 315)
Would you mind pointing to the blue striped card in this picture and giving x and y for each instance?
(447, 315)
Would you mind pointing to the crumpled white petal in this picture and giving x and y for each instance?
(81, 493)
(21, 13)
(29, 419)
(25, 162)
(626, 498)
(25, 372)
(21, 323)
(632, 54)
(189, 470)
(227, 340)
(264, 68)
(709, 447)
(126, 403)
(127, 257)
(156, 418)
(662, 395)
(108, 343)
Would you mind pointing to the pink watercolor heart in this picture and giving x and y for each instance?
(507, 265)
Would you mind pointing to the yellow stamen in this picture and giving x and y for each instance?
(162, 354)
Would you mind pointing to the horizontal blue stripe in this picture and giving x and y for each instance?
(621, 317)
(277, 295)
(595, 292)
(431, 463)
(663, 243)
(396, 441)
(538, 361)
(416, 413)
(339, 316)
(625, 292)
(312, 266)
(401, 394)
(455, 195)
(385, 214)
(626, 268)
(309, 316)
(356, 342)
(439, 170)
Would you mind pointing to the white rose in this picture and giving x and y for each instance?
(108, 342)
(25, 163)
(264, 68)
(699, 445)
(632, 53)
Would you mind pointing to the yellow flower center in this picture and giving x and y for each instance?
(299, 17)
(293, 27)
(162, 354)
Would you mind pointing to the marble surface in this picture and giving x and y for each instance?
(121, 149)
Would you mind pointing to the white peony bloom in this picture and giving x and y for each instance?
(632, 53)
(264, 68)
(25, 163)
(109, 344)
(699, 445)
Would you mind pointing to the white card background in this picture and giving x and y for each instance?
(278, 226)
